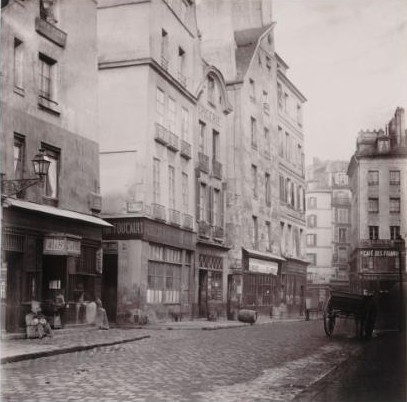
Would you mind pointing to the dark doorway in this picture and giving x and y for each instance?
(203, 293)
(53, 276)
(14, 319)
(109, 286)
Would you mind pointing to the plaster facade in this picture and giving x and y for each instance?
(51, 236)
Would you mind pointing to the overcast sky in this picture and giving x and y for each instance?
(349, 58)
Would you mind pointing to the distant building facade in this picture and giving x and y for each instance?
(51, 234)
(328, 228)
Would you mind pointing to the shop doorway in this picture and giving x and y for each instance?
(53, 277)
(14, 296)
(203, 293)
(109, 285)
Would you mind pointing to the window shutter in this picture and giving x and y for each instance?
(222, 205)
(210, 204)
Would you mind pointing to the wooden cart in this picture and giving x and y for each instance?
(344, 304)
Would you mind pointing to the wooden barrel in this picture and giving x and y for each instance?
(249, 316)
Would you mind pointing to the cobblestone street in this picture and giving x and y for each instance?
(263, 362)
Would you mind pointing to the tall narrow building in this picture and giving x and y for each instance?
(328, 216)
(163, 153)
(240, 42)
(51, 234)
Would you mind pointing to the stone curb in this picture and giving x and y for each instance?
(71, 349)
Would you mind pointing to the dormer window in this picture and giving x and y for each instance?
(211, 90)
(48, 11)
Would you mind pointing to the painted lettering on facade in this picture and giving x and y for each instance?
(379, 253)
(124, 229)
(264, 267)
(61, 245)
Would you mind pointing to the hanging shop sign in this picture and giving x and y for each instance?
(263, 267)
(56, 244)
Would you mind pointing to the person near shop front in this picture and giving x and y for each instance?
(101, 316)
(60, 306)
(37, 325)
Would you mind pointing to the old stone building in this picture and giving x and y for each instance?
(241, 45)
(291, 169)
(377, 172)
(163, 157)
(51, 235)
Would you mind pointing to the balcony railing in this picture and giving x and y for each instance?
(217, 169)
(158, 212)
(164, 62)
(187, 221)
(186, 149)
(378, 243)
(161, 134)
(50, 31)
(341, 200)
(173, 142)
(182, 79)
(218, 232)
(174, 217)
(204, 229)
(203, 162)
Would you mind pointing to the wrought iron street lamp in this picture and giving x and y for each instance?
(41, 166)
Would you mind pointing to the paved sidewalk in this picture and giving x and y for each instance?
(88, 337)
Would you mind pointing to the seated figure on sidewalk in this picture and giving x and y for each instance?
(36, 323)
(101, 316)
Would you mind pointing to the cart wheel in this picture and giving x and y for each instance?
(369, 322)
(329, 320)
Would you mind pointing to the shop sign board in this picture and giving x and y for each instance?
(61, 245)
(263, 267)
(379, 253)
(124, 229)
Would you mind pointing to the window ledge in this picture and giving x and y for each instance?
(49, 105)
(19, 91)
(53, 202)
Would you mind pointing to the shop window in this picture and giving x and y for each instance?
(342, 235)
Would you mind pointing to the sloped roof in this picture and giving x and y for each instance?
(246, 42)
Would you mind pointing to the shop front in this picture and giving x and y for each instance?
(148, 270)
(48, 252)
(212, 281)
(260, 281)
(293, 284)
